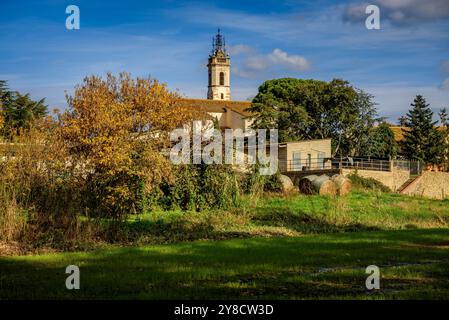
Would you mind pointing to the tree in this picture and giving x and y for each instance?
(115, 129)
(4, 97)
(422, 141)
(19, 111)
(382, 143)
(444, 120)
(313, 109)
(5, 94)
(402, 121)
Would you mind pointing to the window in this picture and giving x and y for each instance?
(309, 161)
(222, 96)
(320, 161)
(210, 78)
(296, 162)
(222, 78)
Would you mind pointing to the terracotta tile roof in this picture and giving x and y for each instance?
(218, 106)
(398, 132)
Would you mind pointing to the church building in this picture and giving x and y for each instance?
(229, 114)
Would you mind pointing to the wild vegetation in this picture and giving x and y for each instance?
(80, 175)
(97, 177)
(97, 173)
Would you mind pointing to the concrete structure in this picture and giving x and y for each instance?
(305, 155)
(393, 179)
(219, 71)
(430, 184)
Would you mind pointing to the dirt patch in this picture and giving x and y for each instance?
(438, 245)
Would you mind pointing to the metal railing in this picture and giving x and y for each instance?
(415, 167)
(304, 164)
(358, 163)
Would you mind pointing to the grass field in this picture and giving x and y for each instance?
(292, 247)
(413, 264)
(292, 216)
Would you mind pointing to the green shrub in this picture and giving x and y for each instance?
(114, 196)
(197, 188)
(367, 183)
(273, 183)
(255, 184)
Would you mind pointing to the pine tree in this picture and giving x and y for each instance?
(18, 111)
(5, 94)
(402, 121)
(444, 121)
(422, 141)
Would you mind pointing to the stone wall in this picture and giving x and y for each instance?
(431, 185)
(392, 179)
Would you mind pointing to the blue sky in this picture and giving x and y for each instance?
(171, 40)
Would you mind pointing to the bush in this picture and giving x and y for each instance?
(367, 183)
(255, 184)
(273, 183)
(37, 189)
(12, 215)
(114, 130)
(197, 188)
(114, 196)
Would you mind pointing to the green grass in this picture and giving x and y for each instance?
(293, 215)
(372, 210)
(413, 264)
(280, 247)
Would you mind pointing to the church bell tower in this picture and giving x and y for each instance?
(219, 69)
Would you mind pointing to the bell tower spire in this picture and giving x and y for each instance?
(219, 69)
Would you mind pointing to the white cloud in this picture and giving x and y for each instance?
(445, 85)
(445, 66)
(258, 63)
(240, 49)
(401, 12)
(277, 58)
(242, 73)
(293, 61)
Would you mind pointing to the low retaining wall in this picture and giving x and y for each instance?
(392, 179)
(431, 185)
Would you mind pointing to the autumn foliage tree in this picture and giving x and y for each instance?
(115, 130)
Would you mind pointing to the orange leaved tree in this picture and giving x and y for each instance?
(115, 129)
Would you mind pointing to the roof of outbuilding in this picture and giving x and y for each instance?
(398, 132)
(218, 106)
